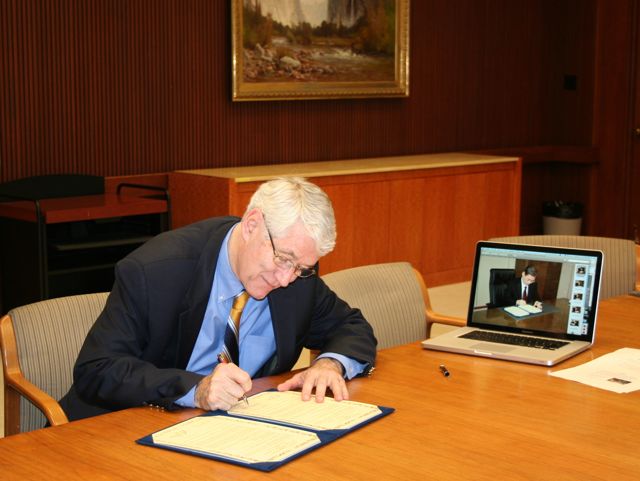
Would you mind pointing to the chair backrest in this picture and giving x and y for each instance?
(619, 273)
(390, 298)
(54, 185)
(48, 337)
(498, 280)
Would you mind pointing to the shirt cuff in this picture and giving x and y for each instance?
(351, 367)
(189, 399)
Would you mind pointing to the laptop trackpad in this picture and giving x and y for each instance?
(492, 347)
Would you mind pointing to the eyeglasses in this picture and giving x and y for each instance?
(286, 264)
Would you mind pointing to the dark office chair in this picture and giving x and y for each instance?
(51, 186)
(498, 281)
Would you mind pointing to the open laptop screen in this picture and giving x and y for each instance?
(561, 297)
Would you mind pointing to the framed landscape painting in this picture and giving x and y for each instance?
(315, 49)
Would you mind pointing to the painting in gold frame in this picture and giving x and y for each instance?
(318, 49)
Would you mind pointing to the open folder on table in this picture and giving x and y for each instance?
(273, 429)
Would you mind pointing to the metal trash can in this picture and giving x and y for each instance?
(562, 218)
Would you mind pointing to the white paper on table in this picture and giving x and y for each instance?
(618, 371)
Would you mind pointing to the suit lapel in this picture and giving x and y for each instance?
(197, 297)
(289, 319)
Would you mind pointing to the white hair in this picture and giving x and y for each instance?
(288, 200)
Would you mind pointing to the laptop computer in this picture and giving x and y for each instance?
(555, 322)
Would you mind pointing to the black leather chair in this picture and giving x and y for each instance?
(51, 186)
(498, 280)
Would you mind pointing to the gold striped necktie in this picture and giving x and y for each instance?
(231, 335)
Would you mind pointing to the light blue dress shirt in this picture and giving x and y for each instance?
(257, 341)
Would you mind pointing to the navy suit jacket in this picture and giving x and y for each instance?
(137, 351)
(514, 292)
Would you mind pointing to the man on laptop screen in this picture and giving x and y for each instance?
(522, 290)
(528, 303)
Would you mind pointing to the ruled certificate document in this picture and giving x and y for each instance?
(237, 439)
(288, 408)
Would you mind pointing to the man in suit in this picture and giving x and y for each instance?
(165, 321)
(524, 289)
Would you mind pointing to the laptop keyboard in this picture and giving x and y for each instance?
(502, 338)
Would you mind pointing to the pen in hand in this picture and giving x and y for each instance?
(223, 359)
(445, 372)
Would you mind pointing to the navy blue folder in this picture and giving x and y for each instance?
(325, 437)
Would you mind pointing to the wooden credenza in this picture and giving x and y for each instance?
(429, 210)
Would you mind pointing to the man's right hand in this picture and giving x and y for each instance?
(222, 388)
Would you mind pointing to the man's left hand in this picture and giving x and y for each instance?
(324, 373)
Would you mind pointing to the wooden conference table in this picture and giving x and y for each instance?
(493, 420)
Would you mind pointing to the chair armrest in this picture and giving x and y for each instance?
(432, 317)
(435, 318)
(16, 385)
(40, 399)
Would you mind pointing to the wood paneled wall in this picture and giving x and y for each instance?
(118, 87)
(129, 87)
(616, 74)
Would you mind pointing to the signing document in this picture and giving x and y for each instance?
(237, 439)
(288, 408)
(274, 428)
